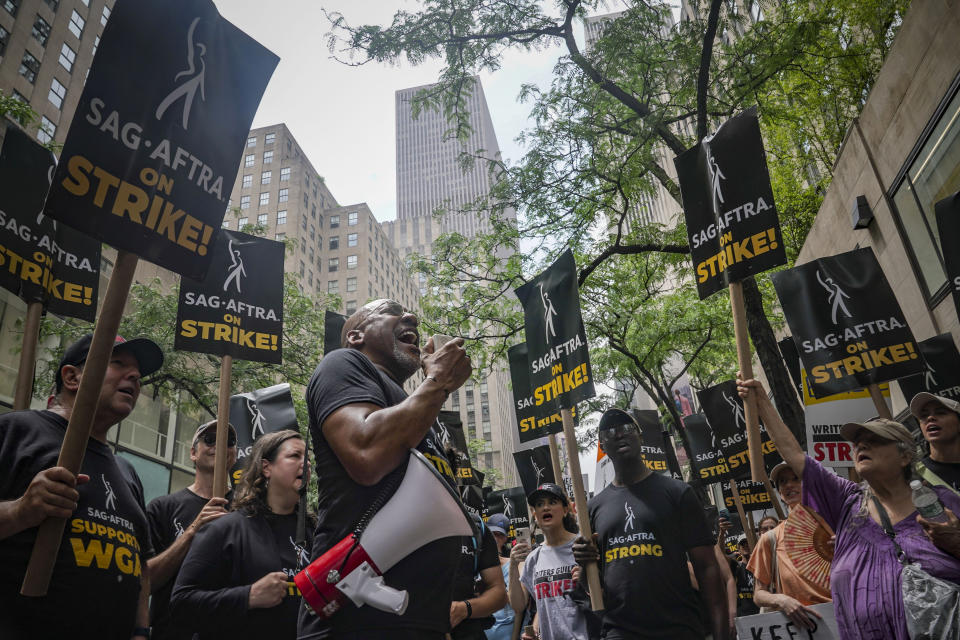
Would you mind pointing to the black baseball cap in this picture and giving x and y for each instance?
(148, 354)
(616, 417)
(548, 489)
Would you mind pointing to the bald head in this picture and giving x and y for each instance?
(360, 316)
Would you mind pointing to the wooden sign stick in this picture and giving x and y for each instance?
(46, 547)
(751, 539)
(555, 459)
(881, 405)
(745, 360)
(223, 419)
(28, 356)
(580, 499)
(773, 496)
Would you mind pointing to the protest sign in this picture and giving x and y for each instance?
(732, 222)
(41, 260)
(653, 449)
(776, 626)
(512, 503)
(708, 462)
(332, 328)
(790, 355)
(534, 467)
(237, 310)
(257, 413)
(533, 420)
(846, 323)
(152, 151)
(825, 416)
(453, 441)
(941, 376)
(560, 373)
(471, 496)
(724, 410)
(754, 496)
(948, 224)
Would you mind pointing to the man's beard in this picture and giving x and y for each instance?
(404, 364)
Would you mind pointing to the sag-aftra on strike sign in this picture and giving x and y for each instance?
(154, 145)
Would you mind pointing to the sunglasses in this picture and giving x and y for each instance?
(617, 430)
(209, 438)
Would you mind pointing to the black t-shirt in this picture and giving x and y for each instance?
(744, 579)
(96, 579)
(468, 583)
(169, 516)
(346, 376)
(228, 555)
(645, 531)
(949, 472)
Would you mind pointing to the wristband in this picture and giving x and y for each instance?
(469, 608)
(446, 394)
(141, 631)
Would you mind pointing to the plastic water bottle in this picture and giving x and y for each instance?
(927, 502)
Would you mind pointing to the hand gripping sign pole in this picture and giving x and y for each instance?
(28, 356)
(223, 418)
(44, 555)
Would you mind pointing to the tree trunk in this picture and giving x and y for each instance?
(765, 344)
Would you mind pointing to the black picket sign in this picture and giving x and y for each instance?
(654, 448)
(559, 360)
(753, 495)
(534, 421)
(332, 328)
(941, 376)
(449, 433)
(257, 413)
(41, 260)
(723, 408)
(472, 497)
(846, 323)
(948, 223)
(732, 221)
(708, 462)
(534, 467)
(513, 504)
(153, 148)
(238, 309)
(790, 355)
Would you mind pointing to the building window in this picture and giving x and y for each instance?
(333, 264)
(225, 224)
(351, 307)
(931, 174)
(241, 223)
(244, 202)
(351, 284)
(284, 195)
(333, 286)
(334, 222)
(47, 130)
(303, 268)
(57, 93)
(53, 4)
(265, 177)
(252, 141)
(352, 218)
(311, 254)
(76, 24)
(352, 262)
(267, 157)
(352, 240)
(67, 57)
(4, 39)
(247, 180)
(29, 67)
(248, 160)
(334, 242)
(303, 222)
(262, 219)
(12, 6)
(264, 198)
(282, 217)
(313, 232)
(285, 174)
(105, 15)
(270, 138)
(280, 236)
(41, 30)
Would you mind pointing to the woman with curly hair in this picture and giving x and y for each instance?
(237, 578)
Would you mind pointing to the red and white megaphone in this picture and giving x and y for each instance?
(424, 508)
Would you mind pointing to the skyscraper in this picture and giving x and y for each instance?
(429, 178)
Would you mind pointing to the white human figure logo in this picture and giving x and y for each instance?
(188, 90)
(538, 470)
(303, 558)
(548, 313)
(50, 171)
(507, 506)
(835, 296)
(737, 410)
(628, 523)
(443, 433)
(715, 177)
(236, 268)
(177, 528)
(256, 418)
(111, 496)
(929, 380)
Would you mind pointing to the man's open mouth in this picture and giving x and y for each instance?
(410, 337)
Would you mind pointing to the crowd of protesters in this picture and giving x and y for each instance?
(224, 567)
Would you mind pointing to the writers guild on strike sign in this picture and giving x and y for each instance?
(557, 353)
(732, 222)
(152, 151)
(846, 322)
(41, 260)
(238, 309)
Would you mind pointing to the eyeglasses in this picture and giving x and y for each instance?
(617, 430)
(387, 307)
(209, 438)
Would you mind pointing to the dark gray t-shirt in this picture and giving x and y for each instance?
(548, 576)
